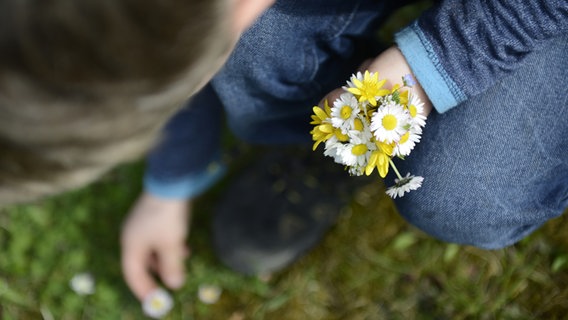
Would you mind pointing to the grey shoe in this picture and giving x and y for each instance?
(278, 208)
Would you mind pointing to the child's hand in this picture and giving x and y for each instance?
(392, 66)
(153, 240)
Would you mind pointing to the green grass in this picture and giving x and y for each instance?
(371, 265)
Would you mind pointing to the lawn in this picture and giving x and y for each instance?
(371, 265)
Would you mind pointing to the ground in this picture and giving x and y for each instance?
(371, 265)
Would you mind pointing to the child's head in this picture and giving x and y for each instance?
(87, 84)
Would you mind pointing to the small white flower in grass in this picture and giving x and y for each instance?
(157, 303)
(344, 111)
(404, 185)
(83, 284)
(209, 294)
(389, 123)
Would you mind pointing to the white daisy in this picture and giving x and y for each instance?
(416, 111)
(360, 130)
(404, 185)
(357, 152)
(333, 149)
(157, 303)
(390, 122)
(209, 294)
(345, 109)
(407, 142)
(356, 76)
(356, 171)
(83, 284)
(345, 155)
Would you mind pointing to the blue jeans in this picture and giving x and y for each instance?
(284, 64)
(495, 167)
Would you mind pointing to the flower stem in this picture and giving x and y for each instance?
(395, 169)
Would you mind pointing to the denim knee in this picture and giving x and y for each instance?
(465, 201)
(468, 224)
(495, 167)
(483, 185)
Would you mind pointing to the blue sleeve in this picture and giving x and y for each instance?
(187, 160)
(459, 48)
(188, 186)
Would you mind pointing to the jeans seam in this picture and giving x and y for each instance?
(345, 23)
(315, 62)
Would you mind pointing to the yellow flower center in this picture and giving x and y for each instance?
(412, 110)
(157, 304)
(359, 149)
(389, 122)
(358, 124)
(404, 138)
(346, 112)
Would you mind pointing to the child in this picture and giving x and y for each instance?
(490, 179)
(495, 167)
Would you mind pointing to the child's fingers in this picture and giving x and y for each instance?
(172, 266)
(330, 97)
(136, 273)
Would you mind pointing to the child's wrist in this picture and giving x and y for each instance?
(392, 66)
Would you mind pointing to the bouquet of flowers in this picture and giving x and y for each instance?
(368, 125)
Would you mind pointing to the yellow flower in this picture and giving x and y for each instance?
(323, 129)
(368, 88)
(380, 159)
(324, 132)
(320, 134)
(321, 115)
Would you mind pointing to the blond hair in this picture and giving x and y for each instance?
(87, 84)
